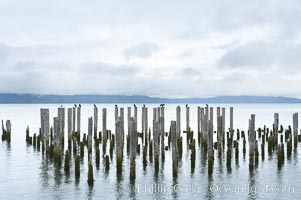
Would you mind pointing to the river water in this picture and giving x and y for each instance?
(26, 174)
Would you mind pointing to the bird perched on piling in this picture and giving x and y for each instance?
(186, 105)
(143, 105)
(79, 105)
(135, 105)
(207, 105)
(94, 105)
(74, 105)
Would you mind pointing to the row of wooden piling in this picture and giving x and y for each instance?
(153, 144)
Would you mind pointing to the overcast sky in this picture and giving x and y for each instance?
(167, 48)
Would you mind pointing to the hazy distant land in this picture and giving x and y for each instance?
(6, 98)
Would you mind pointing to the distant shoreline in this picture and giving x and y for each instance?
(14, 98)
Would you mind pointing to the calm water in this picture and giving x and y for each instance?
(25, 174)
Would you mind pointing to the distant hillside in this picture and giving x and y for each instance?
(6, 98)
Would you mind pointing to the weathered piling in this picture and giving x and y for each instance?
(57, 140)
(77, 167)
(162, 133)
(136, 119)
(104, 129)
(67, 162)
(187, 118)
(90, 124)
(231, 120)
(73, 119)
(129, 119)
(205, 131)
(107, 163)
(223, 126)
(122, 128)
(295, 129)
(133, 136)
(199, 122)
(61, 117)
(276, 127)
(119, 145)
(192, 156)
(156, 144)
(69, 128)
(251, 141)
(219, 134)
(78, 112)
(45, 127)
(116, 113)
(146, 125)
(202, 123)
(90, 170)
(210, 147)
(95, 121)
(142, 121)
(178, 123)
(174, 140)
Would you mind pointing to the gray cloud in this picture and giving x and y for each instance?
(263, 55)
(104, 68)
(143, 50)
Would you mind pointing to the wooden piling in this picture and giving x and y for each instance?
(104, 129)
(174, 139)
(178, 123)
(78, 120)
(61, 117)
(251, 141)
(69, 128)
(133, 136)
(295, 129)
(119, 145)
(95, 121)
(129, 119)
(156, 144)
(187, 119)
(231, 120)
(73, 119)
(136, 118)
(90, 124)
(90, 170)
(45, 126)
(210, 147)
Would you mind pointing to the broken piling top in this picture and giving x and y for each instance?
(70, 115)
(8, 126)
(178, 123)
(116, 113)
(90, 125)
(276, 121)
(45, 123)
